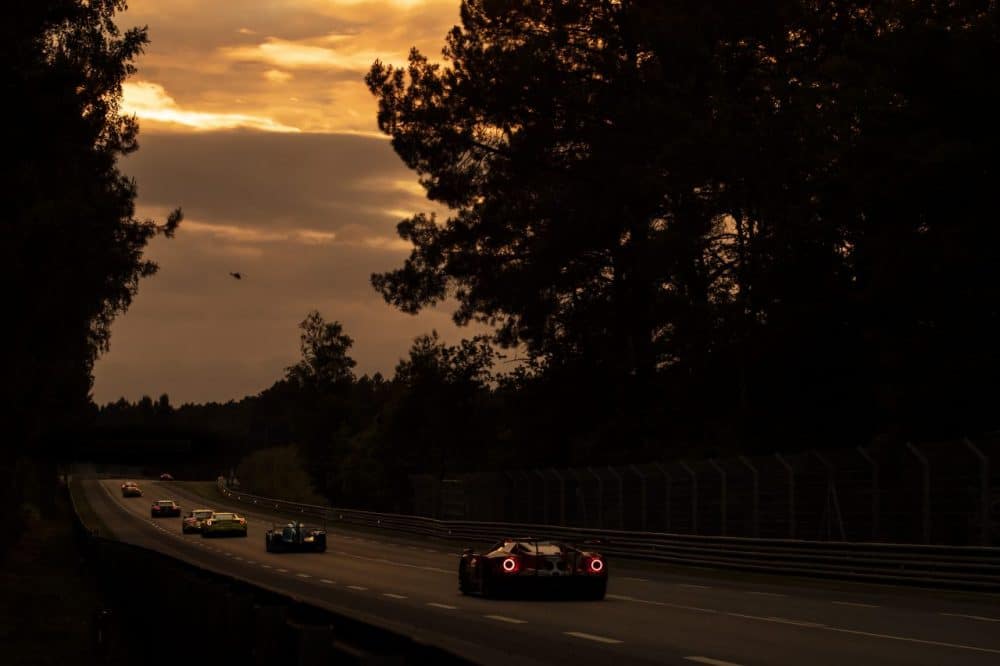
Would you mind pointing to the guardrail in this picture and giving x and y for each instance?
(958, 567)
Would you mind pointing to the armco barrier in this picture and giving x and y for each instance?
(194, 615)
(958, 567)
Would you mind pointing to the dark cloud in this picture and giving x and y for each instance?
(271, 180)
(197, 333)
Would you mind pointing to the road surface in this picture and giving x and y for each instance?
(652, 615)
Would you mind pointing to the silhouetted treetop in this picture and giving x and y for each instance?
(764, 216)
(325, 361)
(73, 245)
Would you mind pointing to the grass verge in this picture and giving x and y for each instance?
(50, 599)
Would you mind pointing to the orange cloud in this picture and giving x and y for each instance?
(249, 235)
(257, 64)
(150, 101)
(277, 76)
(298, 54)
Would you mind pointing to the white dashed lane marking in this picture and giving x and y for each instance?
(980, 618)
(445, 606)
(767, 594)
(504, 618)
(641, 580)
(356, 587)
(283, 570)
(327, 581)
(661, 603)
(869, 634)
(266, 566)
(692, 585)
(780, 620)
(395, 563)
(593, 637)
(856, 604)
(710, 661)
(393, 596)
(302, 575)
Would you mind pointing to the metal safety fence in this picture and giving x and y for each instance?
(976, 568)
(928, 493)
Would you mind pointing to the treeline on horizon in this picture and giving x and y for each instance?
(707, 226)
(704, 225)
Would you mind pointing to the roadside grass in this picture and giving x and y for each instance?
(50, 600)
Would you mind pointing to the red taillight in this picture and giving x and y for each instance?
(596, 565)
(510, 565)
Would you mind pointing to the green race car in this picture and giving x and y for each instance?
(224, 524)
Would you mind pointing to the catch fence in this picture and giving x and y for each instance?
(928, 493)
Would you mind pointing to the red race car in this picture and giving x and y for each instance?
(528, 566)
(164, 508)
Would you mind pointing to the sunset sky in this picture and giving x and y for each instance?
(256, 121)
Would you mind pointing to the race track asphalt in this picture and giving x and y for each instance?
(653, 614)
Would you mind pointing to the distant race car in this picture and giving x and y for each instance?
(164, 508)
(295, 538)
(131, 489)
(224, 524)
(527, 566)
(195, 520)
(166, 477)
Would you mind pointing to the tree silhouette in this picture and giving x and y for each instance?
(325, 361)
(72, 256)
(747, 221)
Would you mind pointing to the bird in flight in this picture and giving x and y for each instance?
(237, 275)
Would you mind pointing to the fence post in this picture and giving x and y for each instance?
(832, 502)
(722, 499)
(984, 491)
(621, 497)
(642, 495)
(756, 497)
(925, 503)
(600, 498)
(513, 496)
(875, 491)
(580, 495)
(545, 496)
(530, 504)
(562, 496)
(791, 494)
(666, 502)
(694, 496)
